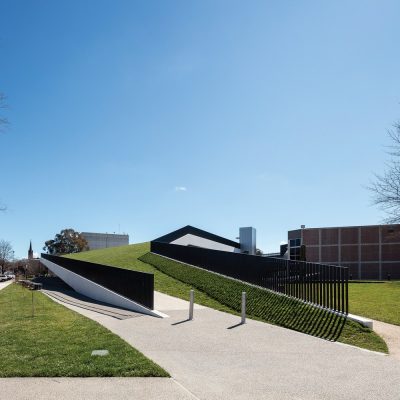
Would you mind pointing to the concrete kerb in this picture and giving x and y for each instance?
(369, 323)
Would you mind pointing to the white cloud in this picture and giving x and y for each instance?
(180, 189)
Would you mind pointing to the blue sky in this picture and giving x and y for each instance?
(269, 114)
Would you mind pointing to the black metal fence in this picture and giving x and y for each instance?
(320, 284)
(134, 285)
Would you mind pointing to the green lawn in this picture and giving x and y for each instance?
(380, 301)
(56, 341)
(224, 294)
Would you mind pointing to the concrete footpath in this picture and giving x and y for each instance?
(391, 334)
(6, 283)
(92, 389)
(212, 357)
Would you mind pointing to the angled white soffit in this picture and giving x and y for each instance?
(97, 292)
(190, 239)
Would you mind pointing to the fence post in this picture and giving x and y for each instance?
(243, 308)
(191, 305)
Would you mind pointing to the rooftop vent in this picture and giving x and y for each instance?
(247, 240)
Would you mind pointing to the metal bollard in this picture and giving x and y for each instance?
(243, 308)
(191, 305)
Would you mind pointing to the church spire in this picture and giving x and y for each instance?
(30, 251)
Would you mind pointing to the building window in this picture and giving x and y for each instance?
(295, 242)
(295, 252)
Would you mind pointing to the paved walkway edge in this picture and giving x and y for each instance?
(93, 389)
(391, 335)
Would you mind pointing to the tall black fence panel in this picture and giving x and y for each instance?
(320, 284)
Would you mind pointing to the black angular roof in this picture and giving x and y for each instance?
(188, 229)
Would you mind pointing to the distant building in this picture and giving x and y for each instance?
(30, 251)
(370, 252)
(104, 240)
(32, 266)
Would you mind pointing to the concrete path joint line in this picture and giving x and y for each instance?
(186, 390)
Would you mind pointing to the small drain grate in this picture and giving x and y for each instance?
(100, 353)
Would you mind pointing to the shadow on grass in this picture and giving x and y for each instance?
(262, 304)
(294, 314)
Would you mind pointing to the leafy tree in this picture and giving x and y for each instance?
(386, 187)
(6, 253)
(65, 242)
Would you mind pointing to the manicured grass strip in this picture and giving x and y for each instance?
(380, 301)
(270, 307)
(57, 342)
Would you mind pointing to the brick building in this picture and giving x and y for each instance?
(370, 252)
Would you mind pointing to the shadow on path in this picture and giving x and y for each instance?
(181, 322)
(235, 326)
(57, 289)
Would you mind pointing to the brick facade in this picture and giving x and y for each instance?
(370, 252)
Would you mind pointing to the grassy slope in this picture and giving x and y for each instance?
(128, 257)
(378, 301)
(283, 314)
(59, 342)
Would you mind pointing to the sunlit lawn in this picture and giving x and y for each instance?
(51, 340)
(380, 301)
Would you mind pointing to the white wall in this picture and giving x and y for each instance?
(95, 291)
(197, 241)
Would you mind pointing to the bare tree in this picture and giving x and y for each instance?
(6, 253)
(386, 187)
